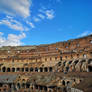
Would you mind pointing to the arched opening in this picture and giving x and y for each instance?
(61, 58)
(90, 61)
(27, 85)
(36, 69)
(67, 68)
(18, 69)
(36, 86)
(45, 69)
(13, 69)
(22, 69)
(83, 61)
(75, 62)
(63, 82)
(18, 85)
(70, 62)
(41, 69)
(59, 64)
(90, 68)
(23, 85)
(50, 69)
(4, 89)
(45, 88)
(4, 69)
(26, 69)
(31, 69)
(41, 87)
(8, 69)
(1, 84)
(64, 63)
(10, 85)
(68, 82)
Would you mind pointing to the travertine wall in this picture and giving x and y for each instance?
(49, 55)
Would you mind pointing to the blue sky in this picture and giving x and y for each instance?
(34, 22)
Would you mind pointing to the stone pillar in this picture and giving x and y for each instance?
(12, 87)
(38, 70)
(0, 69)
(34, 88)
(15, 69)
(31, 87)
(43, 69)
(48, 89)
(16, 87)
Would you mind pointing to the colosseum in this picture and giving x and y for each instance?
(59, 67)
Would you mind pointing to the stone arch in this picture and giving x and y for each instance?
(13, 69)
(26, 69)
(8, 69)
(63, 82)
(31, 69)
(61, 58)
(22, 69)
(64, 63)
(45, 88)
(82, 61)
(68, 82)
(27, 85)
(36, 69)
(50, 69)
(23, 79)
(17, 69)
(89, 68)
(67, 68)
(41, 69)
(40, 87)
(69, 62)
(89, 61)
(18, 85)
(1, 84)
(59, 63)
(45, 69)
(76, 61)
(23, 85)
(4, 69)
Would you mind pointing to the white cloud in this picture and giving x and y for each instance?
(16, 7)
(1, 33)
(36, 19)
(13, 24)
(41, 16)
(49, 14)
(30, 24)
(84, 34)
(12, 40)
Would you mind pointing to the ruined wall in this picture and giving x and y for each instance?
(50, 55)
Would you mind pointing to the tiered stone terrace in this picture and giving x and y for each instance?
(61, 57)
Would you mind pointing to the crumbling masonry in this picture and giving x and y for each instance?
(18, 65)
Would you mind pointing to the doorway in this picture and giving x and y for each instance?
(90, 68)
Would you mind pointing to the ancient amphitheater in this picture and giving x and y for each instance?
(59, 67)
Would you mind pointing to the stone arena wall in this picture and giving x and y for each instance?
(79, 51)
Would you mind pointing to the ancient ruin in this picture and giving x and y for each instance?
(58, 67)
